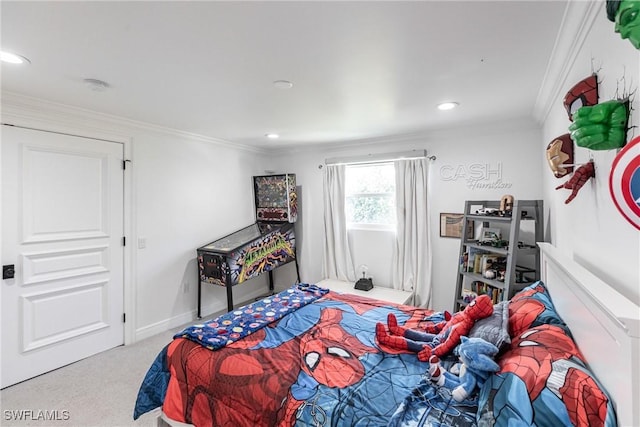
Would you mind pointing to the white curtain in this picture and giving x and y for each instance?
(337, 262)
(412, 252)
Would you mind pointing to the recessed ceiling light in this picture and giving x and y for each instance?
(447, 105)
(272, 135)
(13, 58)
(283, 84)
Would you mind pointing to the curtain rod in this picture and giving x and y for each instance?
(376, 158)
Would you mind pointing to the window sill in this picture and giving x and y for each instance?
(372, 227)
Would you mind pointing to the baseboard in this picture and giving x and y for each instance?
(164, 325)
(215, 308)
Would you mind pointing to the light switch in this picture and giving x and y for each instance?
(142, 242)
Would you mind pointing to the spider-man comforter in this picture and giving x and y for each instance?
(317, 365)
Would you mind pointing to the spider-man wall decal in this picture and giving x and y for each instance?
(584, 93)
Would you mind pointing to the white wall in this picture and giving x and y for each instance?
(590, 229)
(188, 193)
(514, 144)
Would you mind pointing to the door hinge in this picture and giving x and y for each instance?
(124, 317)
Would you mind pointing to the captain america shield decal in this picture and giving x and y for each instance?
(624, 182)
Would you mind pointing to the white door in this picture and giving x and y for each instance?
(62, 227)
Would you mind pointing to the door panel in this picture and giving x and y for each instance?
(44, 326)
(62, 227)
(45, 266)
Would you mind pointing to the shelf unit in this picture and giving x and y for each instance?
(514, 255)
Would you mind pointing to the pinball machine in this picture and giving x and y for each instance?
(259, 248)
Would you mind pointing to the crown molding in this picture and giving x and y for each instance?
(23, 110)
(579, 17)
(416, 139)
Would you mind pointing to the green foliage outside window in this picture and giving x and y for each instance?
(370, 194)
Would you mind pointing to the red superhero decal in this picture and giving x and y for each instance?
(328, 355)
(544, 357)
(584, 93)
(577, 181)
(560, 155)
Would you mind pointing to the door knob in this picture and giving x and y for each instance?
(8, 271)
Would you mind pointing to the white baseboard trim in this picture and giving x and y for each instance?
(209, 311)
(164, 325)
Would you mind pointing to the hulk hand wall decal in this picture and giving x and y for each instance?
(626, 15)
(602, 126)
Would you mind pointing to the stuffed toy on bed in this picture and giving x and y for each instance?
(477, 364)
(439, 339)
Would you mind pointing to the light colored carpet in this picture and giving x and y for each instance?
(98, 391)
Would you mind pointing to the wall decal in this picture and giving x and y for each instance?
(560, 155)
(579, 178)
(583, 94)
(602, 126)
(624, 182)
(477, 175)
(626, 15)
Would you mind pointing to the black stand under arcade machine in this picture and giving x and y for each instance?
(261, 247)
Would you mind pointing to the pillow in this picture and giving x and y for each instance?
(543, 380)
(532, 306)
(494, 328)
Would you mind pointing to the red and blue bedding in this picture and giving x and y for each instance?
(319, 364)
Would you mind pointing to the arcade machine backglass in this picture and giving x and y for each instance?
(258, 248)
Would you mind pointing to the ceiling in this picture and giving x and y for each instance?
(361, 71)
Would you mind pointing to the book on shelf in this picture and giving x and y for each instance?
(473, 263)
(478, 287)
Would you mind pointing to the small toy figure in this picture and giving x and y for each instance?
(439, 339)
(488, 211)
(506, 205)
(477, 365)
(579, 178)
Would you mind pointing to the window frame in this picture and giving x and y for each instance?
(371, 226)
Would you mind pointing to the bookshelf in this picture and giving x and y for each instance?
(502, 256)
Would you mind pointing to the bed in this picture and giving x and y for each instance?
(308, 357)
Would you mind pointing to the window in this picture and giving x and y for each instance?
(370, 192)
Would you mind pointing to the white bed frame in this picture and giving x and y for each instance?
(604, 324)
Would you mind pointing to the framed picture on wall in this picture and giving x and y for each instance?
(451, 225)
